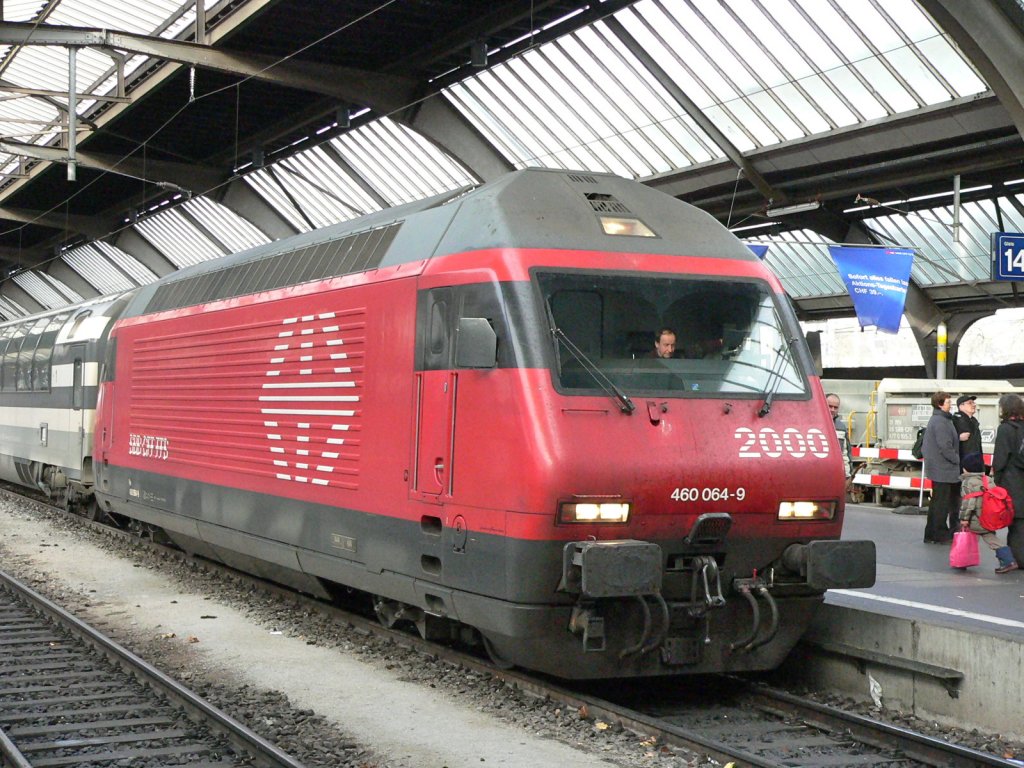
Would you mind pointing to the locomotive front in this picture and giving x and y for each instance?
(690, 505)
(702, 494)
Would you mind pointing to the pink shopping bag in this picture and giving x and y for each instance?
(964, 551)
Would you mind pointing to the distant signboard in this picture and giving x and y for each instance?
(877, 279)
(1007, 256)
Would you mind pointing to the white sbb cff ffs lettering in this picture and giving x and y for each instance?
(148, 446)
(767, 443)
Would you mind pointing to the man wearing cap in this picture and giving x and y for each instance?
(967, 425)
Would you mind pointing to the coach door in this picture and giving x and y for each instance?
(78, 424)
(436, 385)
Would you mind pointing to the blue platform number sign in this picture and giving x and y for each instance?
(1007, 256)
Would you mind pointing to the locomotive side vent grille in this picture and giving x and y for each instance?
(355, 253)
(603, 203)
(582, 179)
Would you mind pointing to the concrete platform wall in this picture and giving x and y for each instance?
(916, 668)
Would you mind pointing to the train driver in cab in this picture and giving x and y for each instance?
(664, 344)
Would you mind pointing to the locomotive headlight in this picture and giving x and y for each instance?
(807, 510)
(593, 512)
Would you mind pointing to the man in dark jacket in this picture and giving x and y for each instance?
(967, 425)
(941, 450)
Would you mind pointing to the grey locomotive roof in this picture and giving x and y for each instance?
(540, 208)
(532, 208)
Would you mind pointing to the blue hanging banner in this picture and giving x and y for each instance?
(758, 249)
(877, 279)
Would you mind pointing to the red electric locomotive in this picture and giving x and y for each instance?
(454, 407)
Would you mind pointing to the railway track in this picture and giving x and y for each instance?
(737, 720)
(71, 696)
(729, 720)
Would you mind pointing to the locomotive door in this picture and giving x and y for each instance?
(435, 397)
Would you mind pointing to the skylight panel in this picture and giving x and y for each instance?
(177, 239)
(844, 39)
(400, 164)
(11, 309)
(951, 66)
(324, 193)
(23, 10)
(97, 270)
(806, 38)
(138, 16)
(46, 290)
(885, 86)
(929, 88)
(135, 269)
(228, 227)
(265, 186)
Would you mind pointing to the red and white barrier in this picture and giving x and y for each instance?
(901, 482)
(896, 453)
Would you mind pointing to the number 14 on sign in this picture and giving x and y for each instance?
(1014, 257)
(1007, 256)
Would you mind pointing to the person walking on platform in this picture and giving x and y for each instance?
(967, 425)
(972, 485)
(941, 451)
(1008, 467)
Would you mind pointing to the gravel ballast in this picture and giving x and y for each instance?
(324, 692)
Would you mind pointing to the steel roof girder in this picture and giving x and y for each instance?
(85, 225)
(382, 93)
(180, 175)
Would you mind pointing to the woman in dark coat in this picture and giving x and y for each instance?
(1008, 469)
(941, 451)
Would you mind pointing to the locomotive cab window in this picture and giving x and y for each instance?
(731, 337)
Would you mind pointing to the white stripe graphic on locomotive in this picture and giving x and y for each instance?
(292, 398)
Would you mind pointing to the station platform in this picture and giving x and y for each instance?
(914, 578)
(926, 639)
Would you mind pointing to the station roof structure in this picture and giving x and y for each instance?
(197, 130)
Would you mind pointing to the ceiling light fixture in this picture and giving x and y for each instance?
(785, 210)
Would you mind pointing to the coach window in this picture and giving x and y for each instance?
(5, 338)
(27, 354)
(79, 319)
(43, 361)
(10, 362)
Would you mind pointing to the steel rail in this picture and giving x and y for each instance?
(916, 745)
(263, 753)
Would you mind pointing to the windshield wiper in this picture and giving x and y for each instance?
(775, 378)
(621, 398)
